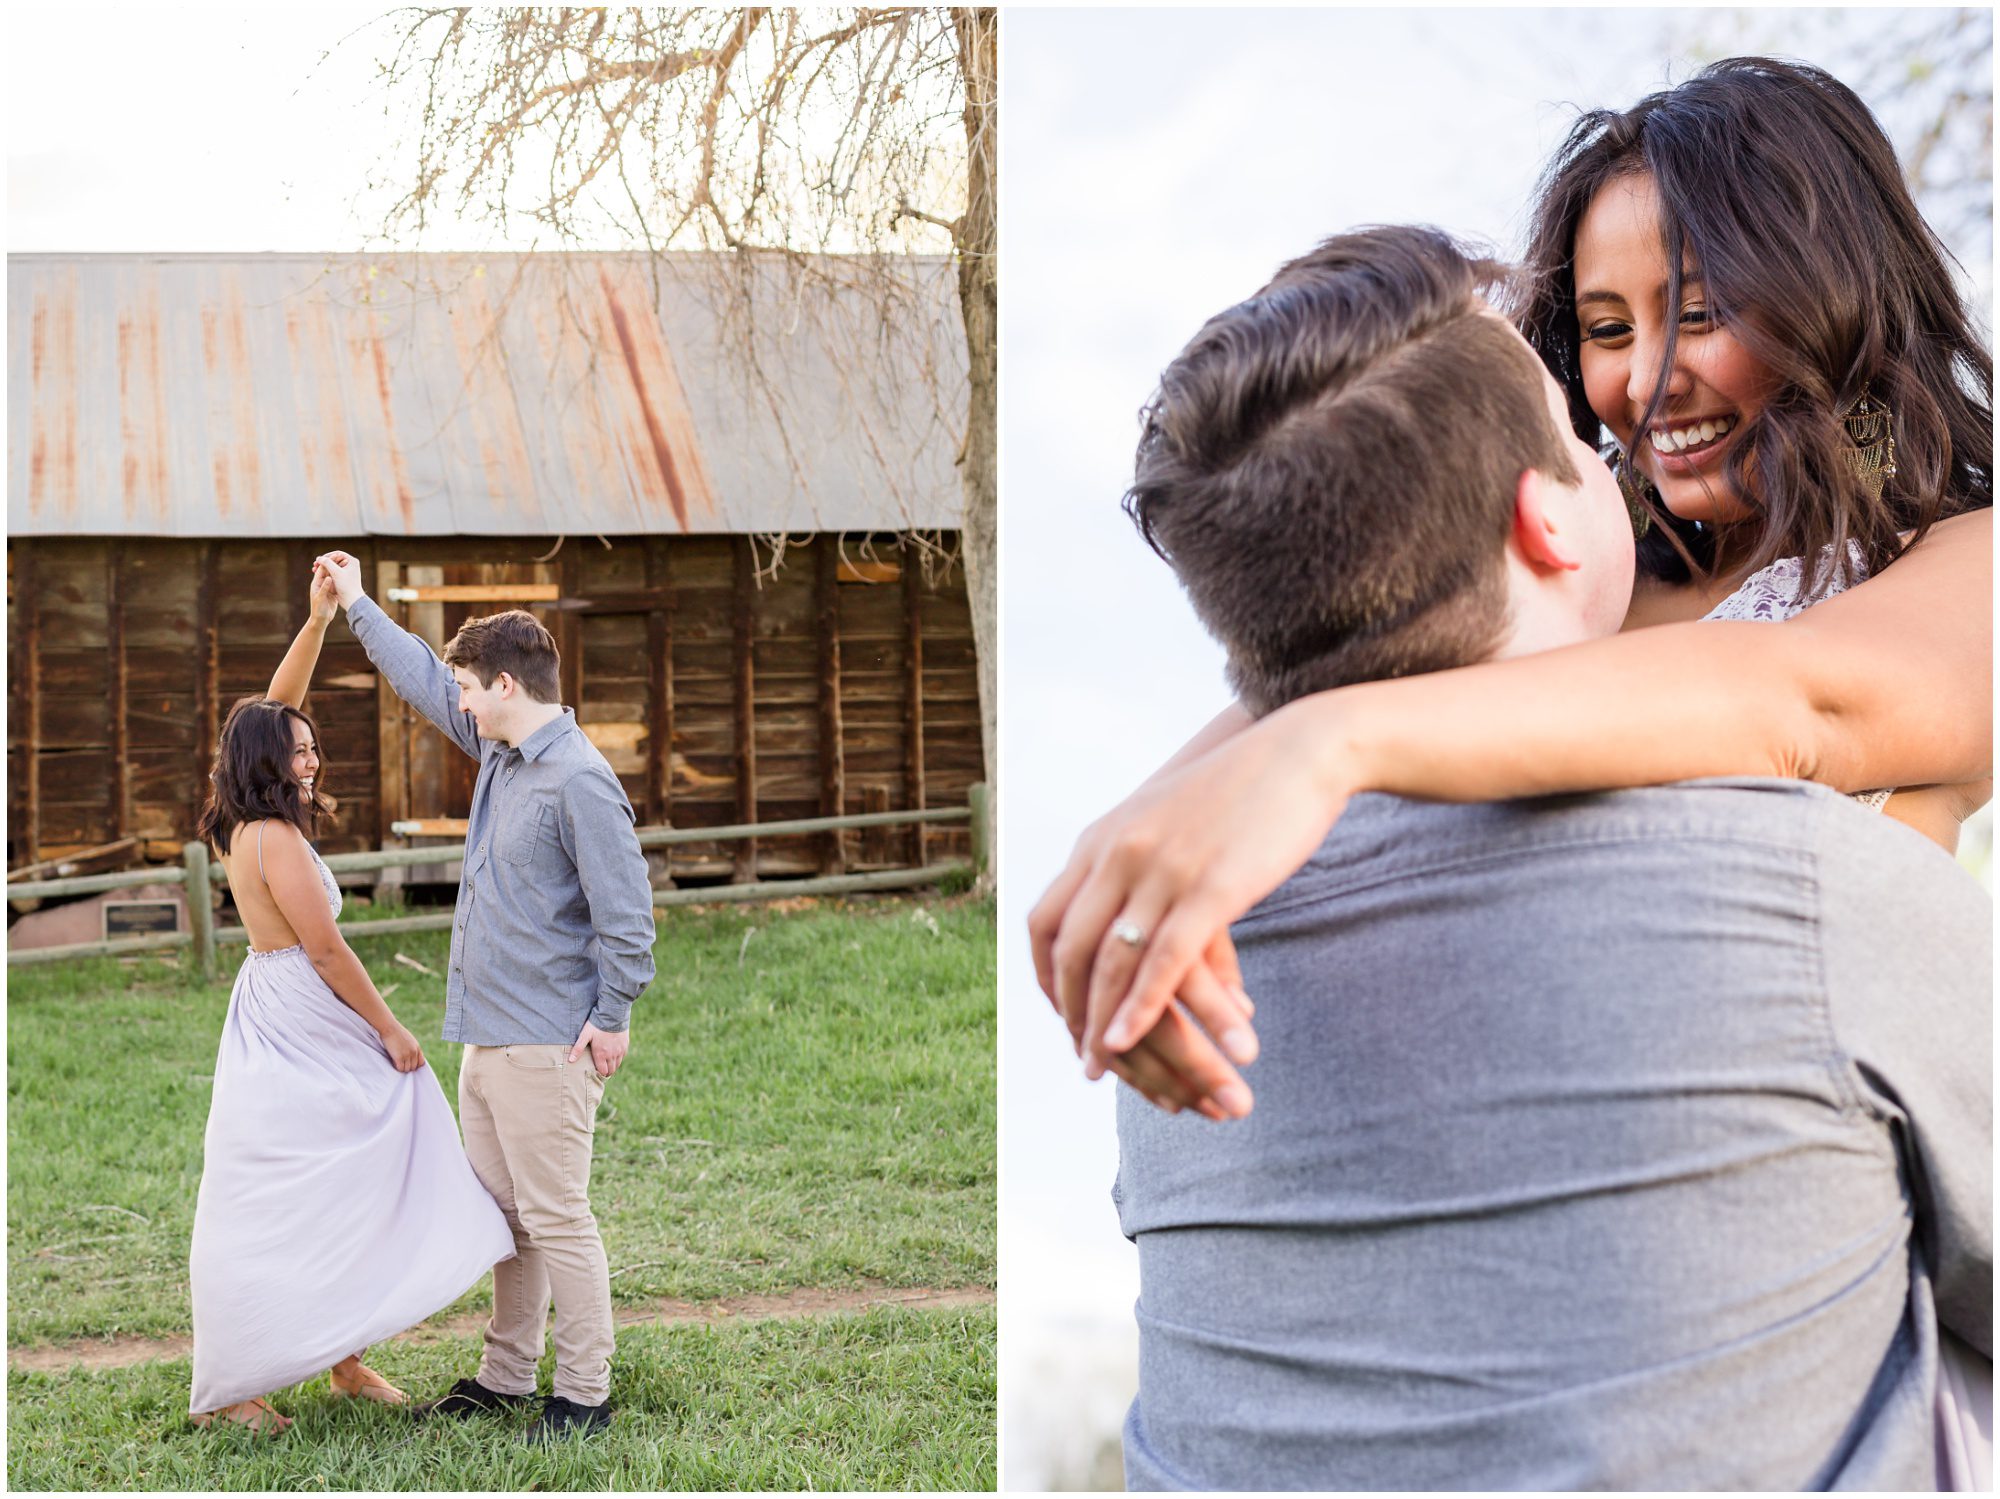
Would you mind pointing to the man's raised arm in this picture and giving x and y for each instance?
(412, 667)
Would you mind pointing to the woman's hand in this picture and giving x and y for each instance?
(1177, 1064)
(1179, 861)
(345, 572)
(325, 596)
(404, 1051)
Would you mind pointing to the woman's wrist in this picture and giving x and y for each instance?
(1325, 733)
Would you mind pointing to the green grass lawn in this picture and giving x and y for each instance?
(892, 1400)
(809, 1101)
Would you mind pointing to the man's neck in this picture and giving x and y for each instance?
(533, 720)
(1547, 611)
(1539, 625)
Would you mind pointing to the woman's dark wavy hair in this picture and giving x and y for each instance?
(252, 777)
(1779, 185)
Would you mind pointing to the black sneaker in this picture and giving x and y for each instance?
(561, 1418)
(470, 1398)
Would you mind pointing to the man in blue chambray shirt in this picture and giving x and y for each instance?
(552, 941)
(1636, 1140)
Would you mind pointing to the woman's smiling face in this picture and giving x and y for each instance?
(1714, 385)
(305, 758)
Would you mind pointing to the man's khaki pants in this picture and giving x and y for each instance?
(529, 1116)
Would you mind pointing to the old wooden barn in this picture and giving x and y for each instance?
(749, 577)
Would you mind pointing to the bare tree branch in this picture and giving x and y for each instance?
(796, 142)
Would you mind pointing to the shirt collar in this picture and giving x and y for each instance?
(533, 747)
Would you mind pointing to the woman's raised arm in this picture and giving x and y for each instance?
(1888, 684)
(292, 679)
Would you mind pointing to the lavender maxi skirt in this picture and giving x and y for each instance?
(337, 1207)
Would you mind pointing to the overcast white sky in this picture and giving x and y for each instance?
(1157, 167)
(245, 127)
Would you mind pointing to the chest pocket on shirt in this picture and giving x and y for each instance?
(525, 832)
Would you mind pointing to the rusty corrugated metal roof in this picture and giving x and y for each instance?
(308, 395)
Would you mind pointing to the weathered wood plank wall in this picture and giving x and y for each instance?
(718, 692)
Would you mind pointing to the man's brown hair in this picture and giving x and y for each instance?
(1331, 466)
(515, 643)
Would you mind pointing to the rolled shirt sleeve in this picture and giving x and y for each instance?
(597, 832)
(413, 669)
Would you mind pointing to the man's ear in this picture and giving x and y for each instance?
(1535, 531)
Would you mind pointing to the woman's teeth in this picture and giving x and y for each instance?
(1693, 435)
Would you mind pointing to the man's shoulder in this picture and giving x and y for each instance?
(1384, 839)
(1721, 838)
(580, 767)
(1754, 809)
(574, 753)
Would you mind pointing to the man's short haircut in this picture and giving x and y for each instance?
(1331, 466)
(515, 643)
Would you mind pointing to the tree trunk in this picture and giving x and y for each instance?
(977, 243)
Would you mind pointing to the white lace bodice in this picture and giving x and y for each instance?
(1772, 593)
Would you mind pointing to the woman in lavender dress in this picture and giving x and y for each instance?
(337, 1207)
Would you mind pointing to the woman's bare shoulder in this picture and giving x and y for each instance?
(1948, 573)
(281, 840)
(1969, 528)
(283, 832)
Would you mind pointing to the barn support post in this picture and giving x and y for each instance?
(201, 910)
(832, 757)
(298, 562)
(28, 595)
(121, 720)
(659, 689)
(746, 705)
(208, 690)
(913, 708)
(569, 629)
(391, 744)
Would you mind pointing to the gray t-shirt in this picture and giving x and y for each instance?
(1626, 1141)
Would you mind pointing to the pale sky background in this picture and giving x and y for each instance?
(1157, 167)
(200, 128)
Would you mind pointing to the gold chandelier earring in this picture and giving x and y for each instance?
(1637, 493)
(1871, 430)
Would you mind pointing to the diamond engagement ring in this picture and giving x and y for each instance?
(1129, 932)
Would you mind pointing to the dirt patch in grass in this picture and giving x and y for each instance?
(119, 1353)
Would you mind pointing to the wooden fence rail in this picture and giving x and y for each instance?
(198, 873)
